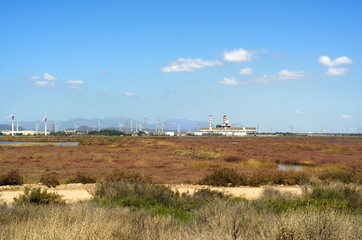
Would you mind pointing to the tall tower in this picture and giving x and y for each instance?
(12, 124)
(210, 123)
(46, 124)
(145, 124)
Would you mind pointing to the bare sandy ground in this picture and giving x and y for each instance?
(80, 192)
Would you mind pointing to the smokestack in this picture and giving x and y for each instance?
(224, 120)
(46, 123)
(12, 125)
(210, 122)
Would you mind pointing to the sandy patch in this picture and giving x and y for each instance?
(80, 192)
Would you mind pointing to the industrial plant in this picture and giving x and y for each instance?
(131, 127)
(226, 129)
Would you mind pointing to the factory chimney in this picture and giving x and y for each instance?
(224, 120)
(210, 122)
(12, 125)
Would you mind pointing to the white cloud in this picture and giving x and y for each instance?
(34, 77)
(129, 94)
(188, 65)
(239, 55)
(284, 75)
(49, 77)
(337, 71)
(326, 61)
(75, 82)
(44, 84)
(298, 112)
(103, 70)
(245, 71)
(346, 116)
(231, 81)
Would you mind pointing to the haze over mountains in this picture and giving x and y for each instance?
(84, 124)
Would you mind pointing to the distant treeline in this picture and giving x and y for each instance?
(107, 132)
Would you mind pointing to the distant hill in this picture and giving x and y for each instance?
(85, 128)
(5, 127)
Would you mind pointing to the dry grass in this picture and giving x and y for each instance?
(214, 217)
(220, 220)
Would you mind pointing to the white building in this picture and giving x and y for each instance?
(171, 134)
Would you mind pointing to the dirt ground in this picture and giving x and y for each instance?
(80, 192)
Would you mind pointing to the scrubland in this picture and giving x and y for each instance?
(185, 160)
(131, 202)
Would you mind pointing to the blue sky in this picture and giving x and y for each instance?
(273, 63)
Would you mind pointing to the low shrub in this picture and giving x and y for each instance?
(50, 179)
(272, 193)
(231, 178)
(234, 159)
(341, 175)
(223, 177)
(351, 193)
(337, 196)
(81, 178)
(13, 177)
(159, 199)
(118, 176)
(37, 196)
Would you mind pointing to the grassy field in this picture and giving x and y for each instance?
(184, 160)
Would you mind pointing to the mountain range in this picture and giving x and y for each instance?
(84, 124)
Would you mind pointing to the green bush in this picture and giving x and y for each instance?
(37, 196)
(13, 177)
(337, 196)
(50, 179)
(339, 192)
(159, 199)
(81, 178)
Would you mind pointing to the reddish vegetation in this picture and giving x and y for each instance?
(171, 160)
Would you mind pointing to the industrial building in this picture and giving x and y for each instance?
(226, 129)
(24, 132)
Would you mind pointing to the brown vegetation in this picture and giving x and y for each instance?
(183, 160)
